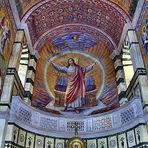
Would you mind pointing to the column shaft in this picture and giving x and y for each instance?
(30, 79)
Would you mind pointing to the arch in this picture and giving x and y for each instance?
(78, 28)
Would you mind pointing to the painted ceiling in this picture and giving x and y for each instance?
(24, 5)
(87, 31)
(74, 41)
(47, 18)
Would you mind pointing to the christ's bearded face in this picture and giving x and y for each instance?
(71, 62)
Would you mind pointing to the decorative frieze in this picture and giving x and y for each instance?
(118, 119)
(126, 139)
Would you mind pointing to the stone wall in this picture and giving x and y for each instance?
(122, 128)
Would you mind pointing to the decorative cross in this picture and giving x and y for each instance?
(76, 126)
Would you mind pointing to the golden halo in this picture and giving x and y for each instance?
(143, 29)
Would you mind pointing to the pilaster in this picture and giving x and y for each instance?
(134, 49)
(120, 79)
(12, 69)
(30, 78)
(9, 83)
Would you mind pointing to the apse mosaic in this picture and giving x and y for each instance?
(142, 33)
(75, 81)
(69, 88)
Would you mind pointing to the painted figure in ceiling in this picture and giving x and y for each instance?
(75, 92)
(4, 35)
(145, 37)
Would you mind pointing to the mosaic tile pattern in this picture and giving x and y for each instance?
(91, 124)
(24, 5)
(74, 41)
(51, 15)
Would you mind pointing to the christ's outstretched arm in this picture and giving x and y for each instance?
(88, 68)
(62, 69)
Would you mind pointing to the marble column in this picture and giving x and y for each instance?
(30, 79)
(11, 70)
(9, 84)
(22, 72)
(120, 78)
(135, 51)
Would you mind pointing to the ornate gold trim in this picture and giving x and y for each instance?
(76, 142)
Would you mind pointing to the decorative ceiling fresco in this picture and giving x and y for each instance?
(101, 15)
(74, 41)
(24, 5)
(95, 34)
(142, 33)
(50, 84)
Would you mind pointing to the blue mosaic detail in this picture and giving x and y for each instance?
(74, 41)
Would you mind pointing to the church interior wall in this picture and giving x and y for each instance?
(19, 137)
